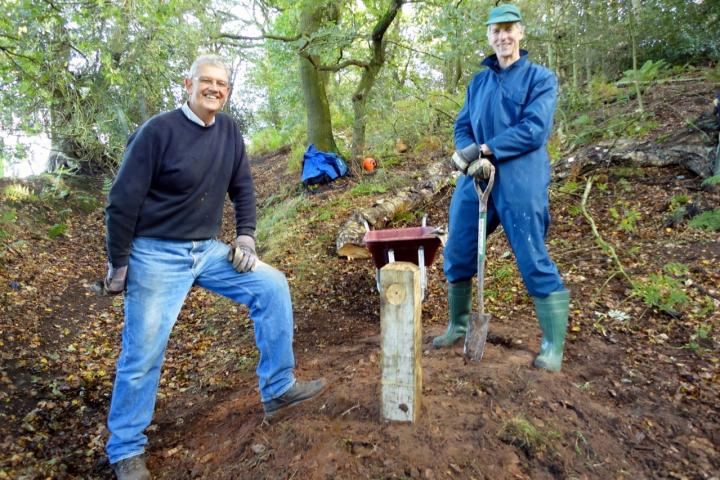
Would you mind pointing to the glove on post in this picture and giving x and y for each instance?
(462, 159)
(242, 254)
(115, 280)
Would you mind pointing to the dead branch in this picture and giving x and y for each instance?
(349, 243)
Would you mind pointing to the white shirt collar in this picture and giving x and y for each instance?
(194, 118)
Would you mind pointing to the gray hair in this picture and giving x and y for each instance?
(209, 59)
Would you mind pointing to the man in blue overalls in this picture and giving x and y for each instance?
(506, 121)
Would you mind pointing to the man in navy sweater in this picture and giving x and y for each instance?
(163, 218)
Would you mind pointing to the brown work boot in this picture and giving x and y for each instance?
(298, 393)
(132, 468)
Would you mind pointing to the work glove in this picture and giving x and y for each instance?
(115, 280)
(242, 254)
(462, 159)
(480, 169)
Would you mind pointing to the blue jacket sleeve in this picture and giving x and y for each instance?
(464, 135)
(128, 193)
(535, 124)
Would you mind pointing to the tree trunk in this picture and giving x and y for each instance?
(319, 122)
(633, 27)
(63, 151)
(314, 82)
(369, 76)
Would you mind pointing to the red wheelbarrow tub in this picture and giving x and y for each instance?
(404, 242)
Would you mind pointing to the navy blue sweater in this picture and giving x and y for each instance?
(173, 180)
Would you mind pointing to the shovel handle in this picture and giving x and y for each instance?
(476, 335)
(483, 195)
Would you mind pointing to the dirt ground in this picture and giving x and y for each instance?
(637, 397)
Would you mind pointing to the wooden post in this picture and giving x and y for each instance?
(401, 332)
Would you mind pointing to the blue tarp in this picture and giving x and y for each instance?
(321, 167)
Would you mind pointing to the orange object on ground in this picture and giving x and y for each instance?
(369, 164)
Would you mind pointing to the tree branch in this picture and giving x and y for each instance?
(341, 65)
(604, 246)
(264, 36)
(401, 45)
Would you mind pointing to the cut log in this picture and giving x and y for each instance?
(693, 148)
(401, 341)
(348, 242)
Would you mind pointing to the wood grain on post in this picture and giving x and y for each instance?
(401, 333)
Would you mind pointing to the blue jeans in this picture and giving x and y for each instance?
(160, 275)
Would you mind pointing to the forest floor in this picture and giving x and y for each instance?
(638, 396)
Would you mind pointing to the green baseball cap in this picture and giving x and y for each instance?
(504, 13)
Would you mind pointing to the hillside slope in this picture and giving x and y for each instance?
(637, 398)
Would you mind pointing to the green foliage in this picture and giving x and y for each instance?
(627, 217)
(707, 307)
(54, 186)
(575, 210)
(649, 72)
(87, 74)
(676, 269)
(679, 201)
(714, 180)
(603, 91)
(624, 185)
(713, 74)
(86, 203)
(369, 187)
(267, 140)
(701, 335)
(7, 217)
(406, 218)
(16, 192)
(582, 446)
(629, 126)
(570, 187)
(295, 158)
(523, 435)
(709, 220)
(663, 292)
(582, 131)
(57, 230)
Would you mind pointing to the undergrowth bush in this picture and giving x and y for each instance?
(16, 192)
(662, 291)
(649, 72)
(709, 220)
(267, 140)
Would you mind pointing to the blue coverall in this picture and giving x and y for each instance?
(511, 111)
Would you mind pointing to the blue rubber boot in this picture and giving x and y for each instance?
(460, 305)
(552, 312)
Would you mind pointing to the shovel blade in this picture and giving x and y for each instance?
(476, 336)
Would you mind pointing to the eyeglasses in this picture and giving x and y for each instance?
(209, 82)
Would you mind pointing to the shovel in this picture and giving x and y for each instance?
(477, 332)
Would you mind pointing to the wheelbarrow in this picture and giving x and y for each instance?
(477, 331)
(416, 245)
